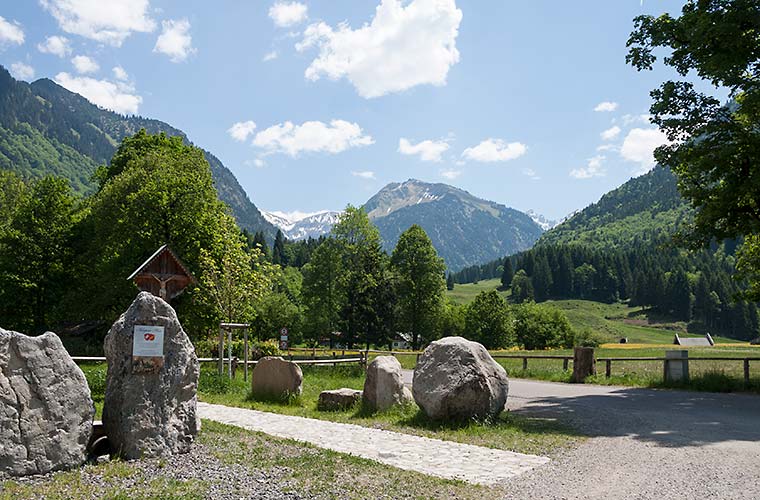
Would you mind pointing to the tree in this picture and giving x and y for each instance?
(157, 191)
(324, 290)
(35, 255)
(12, 194)
(278, 249)
(419, 282)
(487, 321)
(541, 327)
(522, 288)
(450, 282)
(507, 274)
(714, 148)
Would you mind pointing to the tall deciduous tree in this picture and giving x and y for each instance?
(323, 290)
(35, 256)
(420, 283)
(487, 321)
(714, 148)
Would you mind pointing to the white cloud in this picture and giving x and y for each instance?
(427, 150)
(117, 96)
(313, 136)
(404, 46)
(21, 71)
(366, 174)
(493, 150)
(631, 119)
(175, 40)
(529, 172)
(259, 163)
(56, 45)
(84, 65)
(120, 73)
(241, 130)
(639, 145)
(594, 168)
(451, 174)
(285, 14)
(10, 32)
(270, 56)
(607, 147)
(606, 107)
(611, 133)
(107, 22)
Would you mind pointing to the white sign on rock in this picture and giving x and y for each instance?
(148, 341)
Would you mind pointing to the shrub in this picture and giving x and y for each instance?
(541, 326)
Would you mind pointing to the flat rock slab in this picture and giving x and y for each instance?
(433, 457)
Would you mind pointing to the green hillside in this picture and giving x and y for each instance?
(45, 129)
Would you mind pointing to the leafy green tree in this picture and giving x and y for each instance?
(452, 323)
(420, 283)
(487, 321)
(35, 255)
(157, 190)
(539, 326)
(714, 148)
(12, 194)
(275, 311)
(507, 274)
(324, 290)
(522, 288)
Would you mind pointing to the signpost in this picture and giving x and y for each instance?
(147, 348)
(283, 338)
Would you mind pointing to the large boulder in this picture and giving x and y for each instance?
(273, 377)
(46, 409)
(338, 399)
(150, 407)
(457, 379)
(384, 385)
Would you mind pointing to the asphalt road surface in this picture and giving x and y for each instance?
(645, 443)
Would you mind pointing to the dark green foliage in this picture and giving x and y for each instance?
(506, 275)
(541, 327)
(449, 282)
(487, 320)
(278, 249)
(522, 288)
(47, 130)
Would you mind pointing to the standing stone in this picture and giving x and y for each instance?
(384, 385)
(584, 364)
(150, 408)
(46, 409)
(273, 377)
(457, 379)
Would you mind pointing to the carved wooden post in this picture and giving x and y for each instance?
(584, 364)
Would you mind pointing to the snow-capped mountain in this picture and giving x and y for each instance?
(542, 221)
(299, 225)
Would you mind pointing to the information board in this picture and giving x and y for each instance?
(148, 341)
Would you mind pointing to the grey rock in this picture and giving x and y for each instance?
(457, 379)
(274, 377)
(46, 409)
(338, 399)
(150, 411)
(384, 385)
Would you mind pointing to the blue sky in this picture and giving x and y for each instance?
(316, 104)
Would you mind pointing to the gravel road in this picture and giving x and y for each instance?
(646, 444)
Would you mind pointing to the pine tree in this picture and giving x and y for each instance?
(507, 274)
(278, 250)
(450, 282)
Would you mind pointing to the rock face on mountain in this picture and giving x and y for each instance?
(304, 226)
(43, 124)
(46, 409)
(150, 408)
(465, 230)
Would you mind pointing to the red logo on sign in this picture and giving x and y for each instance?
(149, 337)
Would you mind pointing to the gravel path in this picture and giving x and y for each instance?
(434, 457)
(647, 444)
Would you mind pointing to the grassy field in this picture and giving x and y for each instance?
(610, 322)
(508, 432)
(229, 459)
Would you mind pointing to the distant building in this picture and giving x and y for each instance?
(705, 341)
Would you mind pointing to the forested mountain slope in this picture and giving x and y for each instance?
(45, 129)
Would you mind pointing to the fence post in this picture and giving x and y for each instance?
(584, 364)
(565, 362)
(525, 364)
(608, 369)
(334, 364)
(220, 363)
(746, 372)
(245, 354)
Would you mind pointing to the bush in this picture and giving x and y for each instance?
(586, 338)
(214, 383)
(541, 327)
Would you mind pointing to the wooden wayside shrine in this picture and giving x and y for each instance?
(163, 275)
